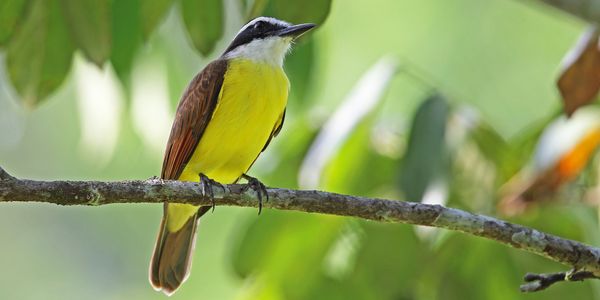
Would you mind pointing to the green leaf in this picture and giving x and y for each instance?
(301, 11)
(151, 13)
(126, 32)
(89, 27)
(10, 12)
(425, 156)
(204, 22)
(40, 52)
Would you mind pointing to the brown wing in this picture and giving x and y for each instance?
(194, 111)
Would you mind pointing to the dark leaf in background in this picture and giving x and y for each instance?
(580, 80)
(10, 13)
(425, 156)
(151, 13)
(126, 31)
(40, 52)
(88, 23)
(204, 22)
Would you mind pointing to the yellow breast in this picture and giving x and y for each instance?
(250, 107)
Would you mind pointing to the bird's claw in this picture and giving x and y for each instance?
(259, 187)
(207, 184)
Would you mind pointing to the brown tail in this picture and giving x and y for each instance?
(172, 257)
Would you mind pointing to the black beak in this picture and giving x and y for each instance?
(295, 30)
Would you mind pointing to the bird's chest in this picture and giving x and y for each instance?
(253, 94)
(251, 105)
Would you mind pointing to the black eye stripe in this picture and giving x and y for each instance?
(259, 30)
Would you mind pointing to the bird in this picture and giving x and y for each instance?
(225, 118)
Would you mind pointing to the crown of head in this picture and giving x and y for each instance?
(256, 41)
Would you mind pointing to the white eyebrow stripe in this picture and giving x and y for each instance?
(265, 19)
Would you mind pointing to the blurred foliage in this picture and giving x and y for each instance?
(426, 158)
(39, 52)
(200, 18)
(39, 34)
(580, 80)
(454, 132)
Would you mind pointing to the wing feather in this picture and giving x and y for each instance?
(275, 133)
(194, 111)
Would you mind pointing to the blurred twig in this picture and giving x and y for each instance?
(155, 190)
(543, 281)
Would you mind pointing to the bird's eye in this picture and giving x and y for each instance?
(259, 24)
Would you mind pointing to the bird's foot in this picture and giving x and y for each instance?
(207, 184)
(259, 187)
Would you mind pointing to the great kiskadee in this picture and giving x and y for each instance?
(225, 118)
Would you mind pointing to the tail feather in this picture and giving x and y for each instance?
(172, 257)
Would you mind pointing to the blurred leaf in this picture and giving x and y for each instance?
(525, 143)
(356, 169)
(425, 158)
(301, 11)
(563, 150)
(580, 80)
(361, 100)
(282, 243)
(151, 13)
(204, 22)
(258, 7)
(495, 148)
(299, 68)
(332, 289)
(243, 6)
(293, 143)
(269, 240)
(40, 52)
(389, 261)
(10, 12)
(126, 31)
(88, 23)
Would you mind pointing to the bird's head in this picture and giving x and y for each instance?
(265, 39)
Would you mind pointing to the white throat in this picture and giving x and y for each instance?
(270, 50)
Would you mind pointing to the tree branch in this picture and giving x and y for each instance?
(577, 255)
(543, 281)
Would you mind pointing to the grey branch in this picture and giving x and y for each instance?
(579, 256)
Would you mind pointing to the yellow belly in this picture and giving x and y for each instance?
(250, 108)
